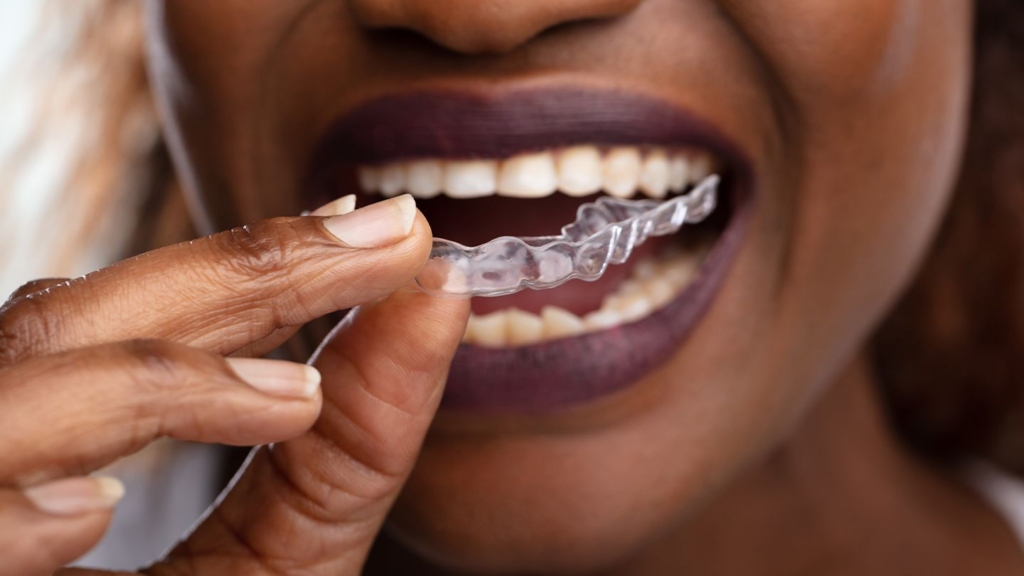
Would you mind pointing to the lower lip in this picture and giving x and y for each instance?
(562, 374)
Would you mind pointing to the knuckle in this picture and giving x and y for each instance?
(163, 366)
(163, 362)
(265, 249)
(24, 323)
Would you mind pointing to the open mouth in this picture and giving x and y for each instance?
(520, 164)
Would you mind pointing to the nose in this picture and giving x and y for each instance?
(482, 26)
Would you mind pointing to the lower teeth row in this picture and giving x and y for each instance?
(653, 283)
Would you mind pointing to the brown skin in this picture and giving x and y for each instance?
(135, 352)
(854, 115)
(759, 448)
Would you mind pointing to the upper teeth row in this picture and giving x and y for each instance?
(575, 171)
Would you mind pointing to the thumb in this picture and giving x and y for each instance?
(316, 503)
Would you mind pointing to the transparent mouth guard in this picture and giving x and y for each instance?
(605, 232)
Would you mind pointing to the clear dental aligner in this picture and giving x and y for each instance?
(605, 232)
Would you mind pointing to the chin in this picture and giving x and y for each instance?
(485, 511)
(566, 495)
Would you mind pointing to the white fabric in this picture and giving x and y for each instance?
(163, 498)
(1003, 492)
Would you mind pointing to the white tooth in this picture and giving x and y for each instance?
(470, 178)
(369, 178)
(489, 329)
(469, 336)
(560, 323)
(337, 207)
(679, 271)
(424, 178)
(629, 307)
(601, 320)
(621, 172)
(654, 174)
(646, 269)
(579, 170)
(523, 328)
(629, 286)
(678, 173)
(700, 167)
(659, 291)
(392, 179)
(528, 176)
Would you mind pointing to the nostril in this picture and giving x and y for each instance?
(482, 26)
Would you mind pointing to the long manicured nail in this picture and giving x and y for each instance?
(277, 377)
(74, 496)
(338, 207)
(377, 225)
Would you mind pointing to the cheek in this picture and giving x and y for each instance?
(208, 63)
(836, 51)
(877, 145)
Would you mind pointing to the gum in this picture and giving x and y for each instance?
(605, 232)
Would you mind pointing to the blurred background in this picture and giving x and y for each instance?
(25, 199)
(49, 89)
(48, 92)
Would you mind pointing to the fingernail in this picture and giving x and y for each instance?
(277, 377)
(376, 225)
(342, 205)
(73, 496)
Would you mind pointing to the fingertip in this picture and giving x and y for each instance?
(338, 207)
(453, 308)
(46, 526)
(36, 542)
(75, 496)
(377, 225)
(287, 402)
(417, 327)
(277, 377)
(407, 258)
(313, 380)
(421, 235)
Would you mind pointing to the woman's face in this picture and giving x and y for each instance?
(837, 125)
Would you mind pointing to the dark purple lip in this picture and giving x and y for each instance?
(561, 374)
(550, 376)
(498, 123)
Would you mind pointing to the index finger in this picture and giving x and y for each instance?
(225, 291)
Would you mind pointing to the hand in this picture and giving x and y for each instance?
(95, 368)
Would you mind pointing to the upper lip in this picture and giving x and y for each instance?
(497, 123)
